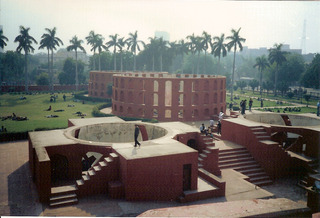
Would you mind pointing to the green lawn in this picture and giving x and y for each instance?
(34, 108)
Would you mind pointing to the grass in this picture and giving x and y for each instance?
(34, 108)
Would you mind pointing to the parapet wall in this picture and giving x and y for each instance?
(168, 97)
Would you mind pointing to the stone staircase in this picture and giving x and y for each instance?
(63, 196)
(96, 180)
(260, 133)
(241, 160)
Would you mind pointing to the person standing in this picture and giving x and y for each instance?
(250, 104)
(219, 127)
(318, 108)
(136, 134)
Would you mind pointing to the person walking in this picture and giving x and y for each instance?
(219, 127)
(136, 134)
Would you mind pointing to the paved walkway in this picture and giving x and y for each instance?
(18, 195)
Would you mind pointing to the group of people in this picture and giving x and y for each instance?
(209, 131)
(243, 105)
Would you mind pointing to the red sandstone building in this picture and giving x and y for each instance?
(162, 96)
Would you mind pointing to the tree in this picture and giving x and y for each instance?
(162, 46)
(133, 45)
(241, 84)
(218, 47)
(192, 47)
(182, 49)
(276, 56)
(268, 85)
(99, 45)
(25, 43)
(92, 40)
(122, 43)
(198, 48)
(114, 43)
(153, 47)
(261, 64)
(311, 77)
(50, 41)
(43, 79)
(235, 40)
(307, 98)
(206, 41)
(11, 66)
(253, 84)
(75, 45)
(3, 40)
(68, 74)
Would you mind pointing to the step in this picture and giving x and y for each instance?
(97, 168)
(260, 133)
(257, 129)
(263, 183)
(102, 164)
(55, 191)
(247, 167)
(85, 177)
(62, 198)
(114, 155)
(258, 179)
(232, 150)
(108, 159)
(64, 203)
(236, 160)
(91, 173)
(263, 137)
(258, 174)
(234, 165)
(203, 155)
(251, 171)
(231, 156)
(80, 182)
(232, 153)
(206, 151)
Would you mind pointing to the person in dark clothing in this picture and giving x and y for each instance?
(219, 127)
(136, 134)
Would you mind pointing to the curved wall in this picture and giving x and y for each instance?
(168, 97)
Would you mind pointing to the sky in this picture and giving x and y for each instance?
(262, 23)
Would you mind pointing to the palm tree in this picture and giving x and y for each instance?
(198, 48)
(173, 49)
(75, 45)
(278, 56)
(192, 47)
(162, 45)
(50, 41)
(153, 47)
(99, 45)
(261, 64)
(182, 49)
(114, 43)
(122, 43)
(235, 40)
(25, 43)
(3, 39)
(206, 41)
(218, 47)
(92, 40)
(133, 45)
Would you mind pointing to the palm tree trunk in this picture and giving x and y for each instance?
(160, 62)
(26, 71)
(219, 65)
(134, 61)
(99, 62)
(153, 63)
(94, 60)
(232, 79)
(114, 60)
(51, 72)
(182, 64)
(192, 63)
(275, 81)
(198, 63)
(49, 65)
(261, 83)
(77, 81)
(205, 62)
(121, 68)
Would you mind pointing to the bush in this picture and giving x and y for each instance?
(81, 96)
(97, 113)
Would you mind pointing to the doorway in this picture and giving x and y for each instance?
(186, 177)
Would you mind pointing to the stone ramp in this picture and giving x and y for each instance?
(245, 208)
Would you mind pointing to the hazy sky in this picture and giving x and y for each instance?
(263, 23)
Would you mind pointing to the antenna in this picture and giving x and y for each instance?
(304, 38)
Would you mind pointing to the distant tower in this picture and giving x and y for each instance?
(304, 38)
(163, 34)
